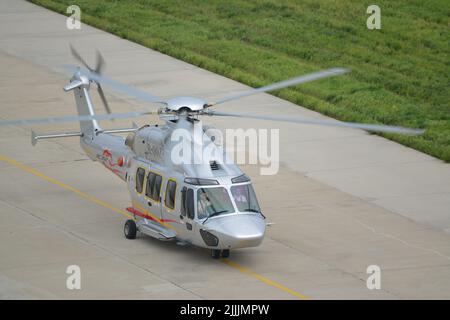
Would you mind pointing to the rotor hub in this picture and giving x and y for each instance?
(179, 104)
(81, 76)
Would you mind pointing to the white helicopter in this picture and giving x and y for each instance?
(210, 204)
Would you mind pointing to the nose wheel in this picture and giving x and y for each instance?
(216, 253)
(225, 253)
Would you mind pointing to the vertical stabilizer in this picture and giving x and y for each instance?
(80, 85)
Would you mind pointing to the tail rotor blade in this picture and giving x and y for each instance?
(102, 96)
(77, 56)
(100, 63)
(117, 86)
(95, 75)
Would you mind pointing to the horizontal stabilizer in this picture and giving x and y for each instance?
(35, 137)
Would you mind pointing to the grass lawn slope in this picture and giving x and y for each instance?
(400, 74)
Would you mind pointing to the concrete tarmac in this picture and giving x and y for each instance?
(343, 199)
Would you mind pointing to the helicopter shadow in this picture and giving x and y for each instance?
(190, 252)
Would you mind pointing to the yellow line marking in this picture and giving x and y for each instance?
(63, 185)
(108, 206)
(264, 279)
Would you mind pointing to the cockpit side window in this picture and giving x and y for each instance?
(190, 203)
(183, 201)
(140, 174)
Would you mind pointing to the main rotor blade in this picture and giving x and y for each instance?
(102, 96)
(110, 116)
(369, 127)
(77, 56)
(126, 89)
(286, 83)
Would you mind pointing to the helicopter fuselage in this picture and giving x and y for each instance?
(210, 205)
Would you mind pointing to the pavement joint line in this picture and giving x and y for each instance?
(104, 204)
(406, 243)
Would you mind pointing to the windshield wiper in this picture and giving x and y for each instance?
(214, 214)
(252, 210)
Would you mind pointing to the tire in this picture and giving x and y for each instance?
(215, 253)
(225, 253)
(130, 229)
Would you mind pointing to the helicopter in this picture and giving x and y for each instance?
(209, 203)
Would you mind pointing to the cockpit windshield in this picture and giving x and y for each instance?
(213, 202)
(245, 198)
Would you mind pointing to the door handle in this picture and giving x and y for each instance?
(149, 204)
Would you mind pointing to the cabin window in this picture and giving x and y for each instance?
(170, 194)
(153, 188)
(140, 174)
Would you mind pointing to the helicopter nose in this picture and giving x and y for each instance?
(239, 231)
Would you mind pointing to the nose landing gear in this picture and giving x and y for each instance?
(216, 253)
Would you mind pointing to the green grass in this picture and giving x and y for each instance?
(400, 74)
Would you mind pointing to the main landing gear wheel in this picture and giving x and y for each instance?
(225, 253)
(130, 229)
(216, 253)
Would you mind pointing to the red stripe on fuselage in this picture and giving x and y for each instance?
(146, 216)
